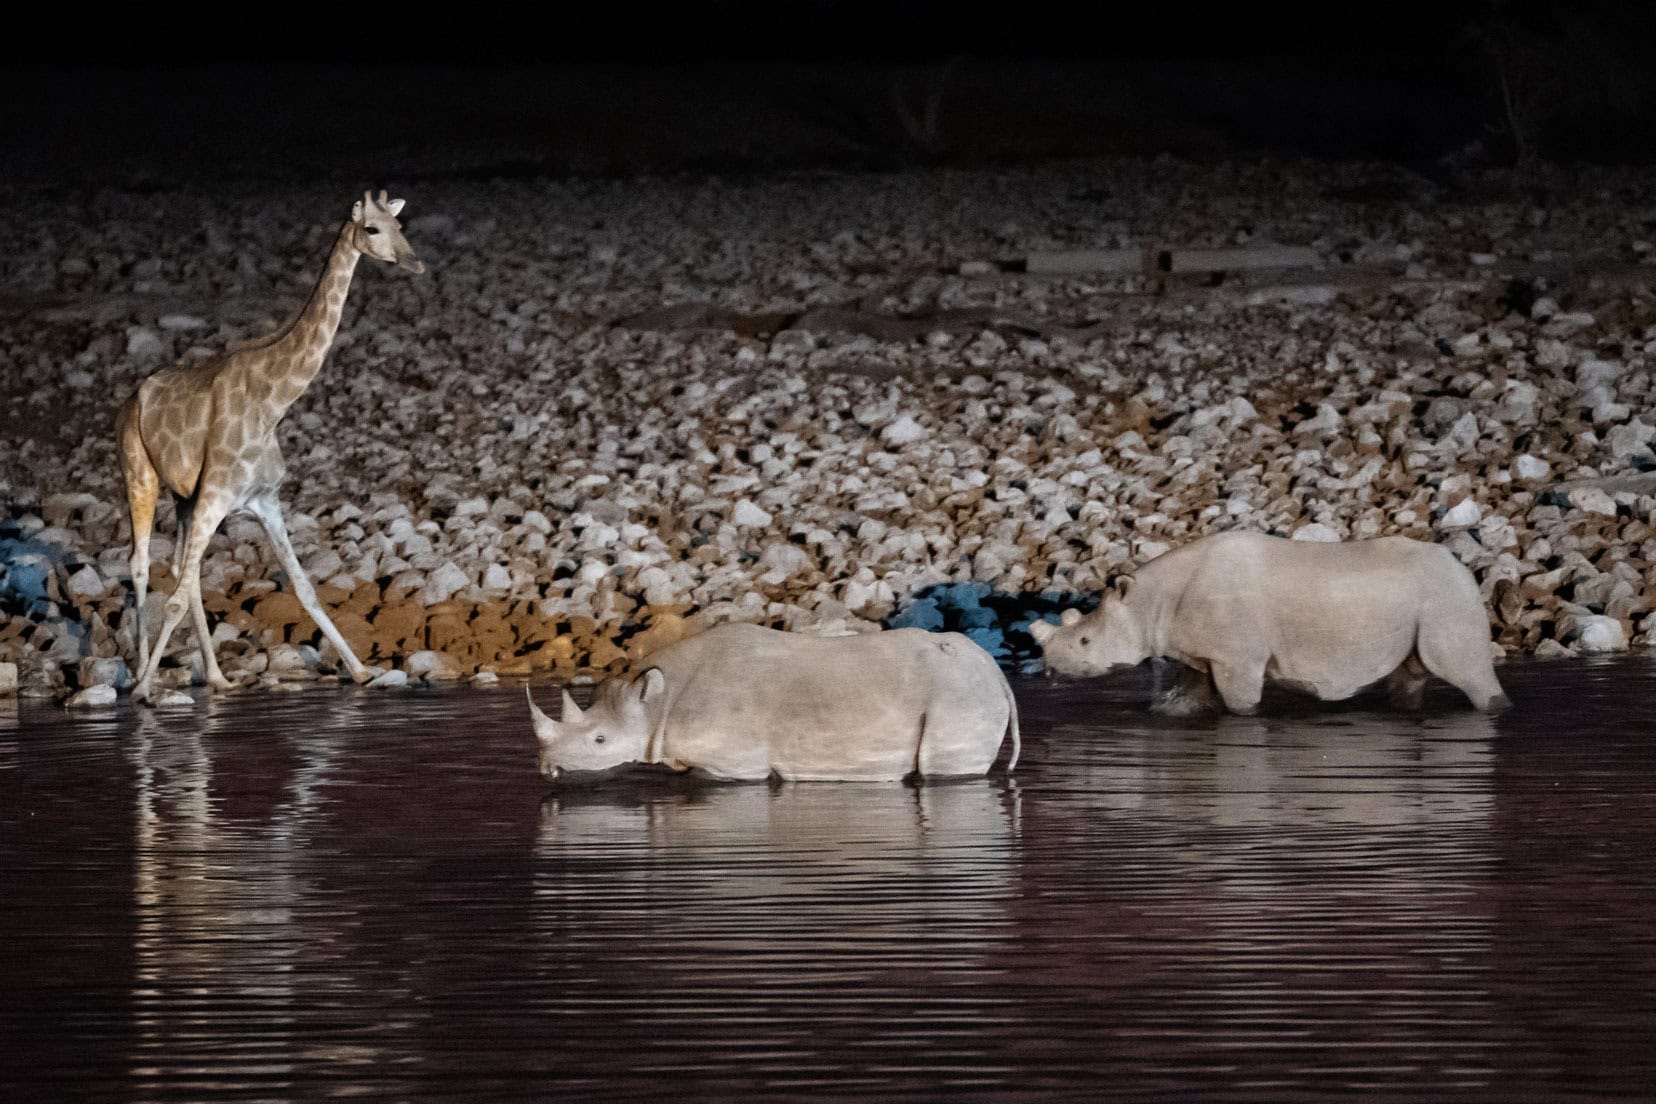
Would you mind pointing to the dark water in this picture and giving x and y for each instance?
(342, 893)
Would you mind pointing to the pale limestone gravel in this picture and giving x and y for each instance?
(485, 432)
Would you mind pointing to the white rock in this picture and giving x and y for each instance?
(903, 431)
(173, 699)
(85, 584)
(388, 679)
(496, 577)
(1496, 533)
(1531, 467)
(747, 515)
(1597, 634)
(443, 583)
(324, 564)
(1316, 531)
(92, 697)
(105, 671)
(1327, 420)
(485, 678)
(181, 322)
(431, 666)
(142, 343)
(1631, 439)
(285, 657)
(1596, 375)
(8, 680)
(1463, 515)
(1593, 500)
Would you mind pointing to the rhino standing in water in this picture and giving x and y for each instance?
(1326, 618)
(746, 702)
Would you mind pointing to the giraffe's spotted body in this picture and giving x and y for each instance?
(207, 433)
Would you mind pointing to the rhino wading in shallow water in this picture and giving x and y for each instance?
(745, 702)
(1242, 609)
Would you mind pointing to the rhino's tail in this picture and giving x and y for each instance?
(1012, 723)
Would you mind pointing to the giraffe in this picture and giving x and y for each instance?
(207, 433)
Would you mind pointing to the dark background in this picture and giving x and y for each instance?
(151, 97)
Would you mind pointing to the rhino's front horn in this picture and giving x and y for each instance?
(543, 724)
(571, 711)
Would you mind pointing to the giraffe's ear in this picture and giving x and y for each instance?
(395, 207)
(356, 211)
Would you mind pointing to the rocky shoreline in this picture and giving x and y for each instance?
(521, 464)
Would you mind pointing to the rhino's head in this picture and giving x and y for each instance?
(614, 730)
(1090, 644)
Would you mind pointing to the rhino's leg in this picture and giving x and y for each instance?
(1407, 685)
(1457, 651)
(1191, 696)
(1240, 686)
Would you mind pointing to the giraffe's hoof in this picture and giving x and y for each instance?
(362, 676)
(220, 683)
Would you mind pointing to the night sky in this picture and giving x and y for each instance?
(743, 85)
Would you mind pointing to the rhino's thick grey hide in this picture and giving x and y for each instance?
(1328, 618)
(745, 702)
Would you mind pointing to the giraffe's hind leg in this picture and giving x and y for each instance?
(142, 487)
(198, 612)
(204, 520)
(268, 510)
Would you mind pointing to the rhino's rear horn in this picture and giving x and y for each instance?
(571, 711)
(1042, 631)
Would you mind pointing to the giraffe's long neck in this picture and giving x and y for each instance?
(297, 355)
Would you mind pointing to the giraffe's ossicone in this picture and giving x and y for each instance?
(207, 434)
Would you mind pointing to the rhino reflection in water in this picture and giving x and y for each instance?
(745, 702)
(1352, 849)
(807, 878)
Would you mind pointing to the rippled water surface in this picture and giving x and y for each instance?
(350, 893)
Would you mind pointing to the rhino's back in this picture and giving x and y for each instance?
(1280, 573)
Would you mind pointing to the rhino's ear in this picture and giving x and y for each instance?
(1042, 631)
(396, 206)
(1069, 617)
(1123, 585)
(649, 685)
(356, 211)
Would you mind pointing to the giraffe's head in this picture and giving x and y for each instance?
(376, 232)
